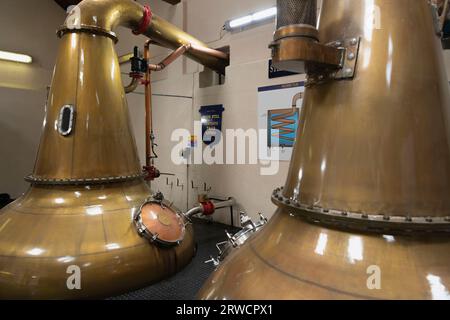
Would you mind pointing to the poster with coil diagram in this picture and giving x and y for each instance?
(279, 110)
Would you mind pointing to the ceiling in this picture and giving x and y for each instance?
(66, 3)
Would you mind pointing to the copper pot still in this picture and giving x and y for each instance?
(74, 234)
(365, 211)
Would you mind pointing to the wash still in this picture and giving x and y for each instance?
(88, 199)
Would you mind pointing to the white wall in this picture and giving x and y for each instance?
(26, 26)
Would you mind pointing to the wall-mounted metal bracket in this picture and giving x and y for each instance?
(180, 185)
(347, 70)
(297, 48)
(169, 184)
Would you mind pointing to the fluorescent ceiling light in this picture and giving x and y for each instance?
(15, 57)
(265, 14)
(252, 18)
(241, 21)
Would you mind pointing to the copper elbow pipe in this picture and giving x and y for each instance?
(132, 86)
(296, 98)
(171, 58)
(169, 36)
(103, 16)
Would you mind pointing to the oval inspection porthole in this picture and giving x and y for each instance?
(66, 120)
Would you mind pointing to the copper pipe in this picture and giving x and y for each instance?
(169, 36)
(125, 58)
(148, 109)
(102, 17)
(148, 93)
(170, 58)
(208, 51)
(132, 86)
(295, 99)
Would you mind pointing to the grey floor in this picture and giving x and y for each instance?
(186, 284)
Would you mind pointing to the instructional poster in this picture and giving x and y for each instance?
(279, 110)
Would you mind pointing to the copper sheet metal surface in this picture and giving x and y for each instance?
(375, 145)
(291, 259)
(52, 228)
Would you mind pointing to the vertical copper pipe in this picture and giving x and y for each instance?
(148, 109)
